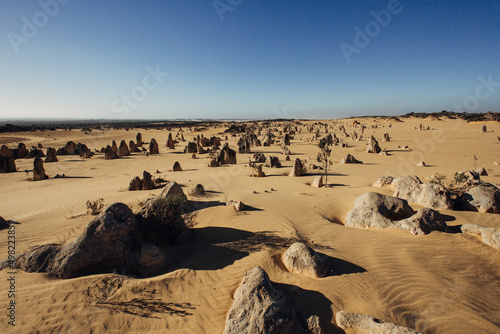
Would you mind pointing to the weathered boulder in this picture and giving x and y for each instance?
(365, 324)
(133, 147)
(482, 198)
(383, 181)
(482, 171)
(226, 156)
(172, 188)
(6, 152)
(197, 190)
(318, 182)
(259, 157)
(138, 139)
(298, 169)
(109, 154)
(237, 205)
(147, 181)
(170, 142)
(153, 147)
(191, 148)
(135, 184)
(257, 171)
(261, 308)
(466, 179)
(177, 167)
(70, 147)
(38, 170)
(151, 260)
(35, 153)
(301, 259)
(114, 147)
(51, 155)
(286, 139)
(489, 235)
(372, 146)
(430, 195)
(373, 210)
(20, 152)
(7, 164)
(272, 162)
(109, 242)
(349, 159)
(123, 150)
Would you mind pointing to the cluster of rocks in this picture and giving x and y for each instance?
(226, 156)
(117, 239)
(146, 183)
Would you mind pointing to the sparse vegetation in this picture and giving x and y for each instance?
(102, 291)
(172, 211)
(95, 207)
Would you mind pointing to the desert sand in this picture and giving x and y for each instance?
(435, 283)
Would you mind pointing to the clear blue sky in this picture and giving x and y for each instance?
(264, 59)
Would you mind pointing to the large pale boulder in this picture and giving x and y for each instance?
(261, 308)
(383, 181)
(482, 198)
(365, 324)
(318, 182)
(172, 188)
(301, 259)
(373, 210)
(430, 195)
(489, 235)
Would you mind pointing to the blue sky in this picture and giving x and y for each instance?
(263, 59)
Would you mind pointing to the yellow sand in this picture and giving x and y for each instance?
(438, 283)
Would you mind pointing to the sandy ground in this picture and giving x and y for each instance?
(437, 283)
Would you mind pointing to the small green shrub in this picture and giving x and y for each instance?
(95, 207)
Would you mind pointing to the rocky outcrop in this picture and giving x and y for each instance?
(365, 324)
(146, 183)
(109, 154)
(482, 198)
(430, 195)
(318, 182)
(349, 159)
(237, 205)
(257, 172)
(7, 164)
(226, 156)
(177, 167)
(259, 157)
(372, 146)
(489, 235)
(38, 170)
(35, 153)
(109, 242)
(373, 210)
(6, 152)
(20, 152)
(383, 181)
(298, 169)
(133, 147)
(172, 188)
(466, 179)
(272, 162)
(51, 155)
(170, 142)
(261, 308)
(197, 190)
(153, 147)
(303, 260)
(123, 150)
(138, 139)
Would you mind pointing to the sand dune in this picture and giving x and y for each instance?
(436, 283)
